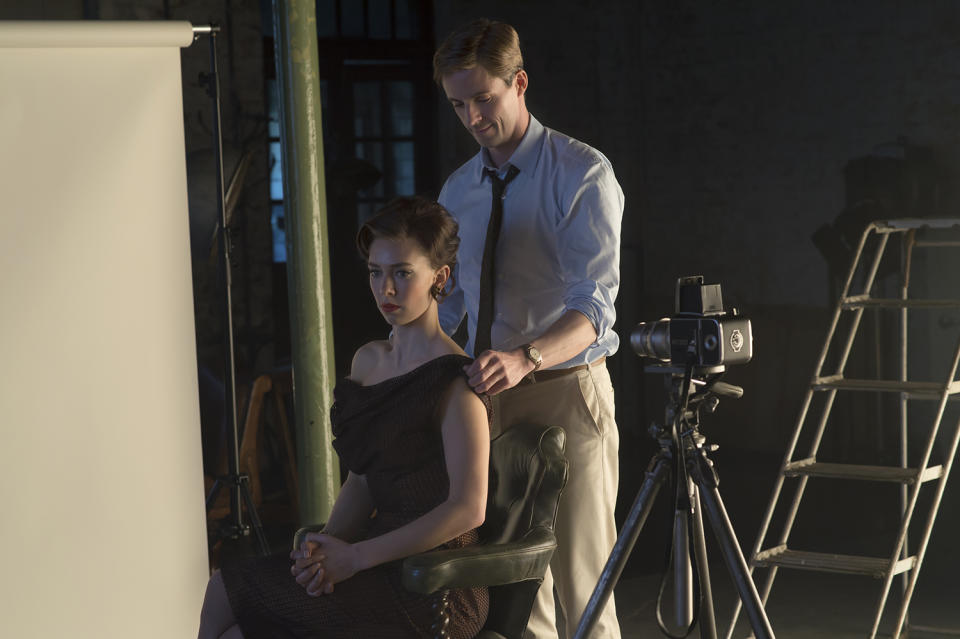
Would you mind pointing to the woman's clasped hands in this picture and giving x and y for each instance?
(322, 561)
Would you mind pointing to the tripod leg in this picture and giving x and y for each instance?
(214, 491)
(682, 570)
(708, 620)
(736, 564)
(625, 541)
(254, 518)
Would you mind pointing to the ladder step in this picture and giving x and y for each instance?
(865, 301)
(810, 467)
(913, 390)
(876, 567)
(906, 223)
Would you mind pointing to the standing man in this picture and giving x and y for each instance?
(538, 273)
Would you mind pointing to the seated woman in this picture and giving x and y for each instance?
(415, 439)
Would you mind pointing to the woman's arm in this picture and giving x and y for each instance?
(348, 518)
(466, 447)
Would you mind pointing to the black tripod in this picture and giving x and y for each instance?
(683, 451)
(238, 483)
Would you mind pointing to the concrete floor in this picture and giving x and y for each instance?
(802, 605)
(805, 604)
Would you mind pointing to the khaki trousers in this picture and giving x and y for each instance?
(582, 404)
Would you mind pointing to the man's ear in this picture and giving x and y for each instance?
(521, 81)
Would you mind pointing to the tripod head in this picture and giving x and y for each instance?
(691, 393)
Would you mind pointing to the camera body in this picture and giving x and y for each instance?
(700, 328)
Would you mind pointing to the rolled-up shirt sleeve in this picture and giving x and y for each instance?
(588, 238)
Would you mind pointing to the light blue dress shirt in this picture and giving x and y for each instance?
(559, 246)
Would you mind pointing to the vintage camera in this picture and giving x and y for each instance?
(700, 328)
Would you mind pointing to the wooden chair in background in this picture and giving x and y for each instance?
(264, 408)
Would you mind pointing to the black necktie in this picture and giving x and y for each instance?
(485, 312)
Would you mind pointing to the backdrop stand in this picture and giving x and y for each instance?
(233, 526)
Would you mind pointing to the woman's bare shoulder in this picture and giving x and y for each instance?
(462, 401)
(367, 358)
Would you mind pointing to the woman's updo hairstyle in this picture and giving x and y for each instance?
(424, 221)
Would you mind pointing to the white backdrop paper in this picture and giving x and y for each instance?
(102, 530)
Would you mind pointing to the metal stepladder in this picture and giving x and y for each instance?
(827, 385)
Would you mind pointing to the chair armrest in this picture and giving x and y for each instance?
(300, 534)
(481, 564)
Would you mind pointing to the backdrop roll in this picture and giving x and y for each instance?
(102, 527)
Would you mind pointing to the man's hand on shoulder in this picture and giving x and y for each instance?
(496, 371)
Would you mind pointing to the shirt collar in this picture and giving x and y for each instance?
(526, 157)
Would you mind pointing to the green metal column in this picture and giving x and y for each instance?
(308, 266)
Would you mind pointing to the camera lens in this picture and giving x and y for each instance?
(710, 342)
(652, 339)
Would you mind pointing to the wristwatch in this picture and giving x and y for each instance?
(533, 354)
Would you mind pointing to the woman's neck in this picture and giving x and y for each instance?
(420, 339)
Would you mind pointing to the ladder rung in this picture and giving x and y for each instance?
(934, 630)
(923, 244)
(811, 468)
(914, 390)
(876, 567)
(865, 301)
(907, 223)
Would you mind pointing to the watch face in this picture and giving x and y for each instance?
(533, 354)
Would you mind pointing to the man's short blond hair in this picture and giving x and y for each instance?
(495, 46)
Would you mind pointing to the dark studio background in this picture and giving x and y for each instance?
(739, 130)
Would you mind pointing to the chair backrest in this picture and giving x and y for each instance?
(527, 474)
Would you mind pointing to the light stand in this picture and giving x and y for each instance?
(238, 484)
(683, 450)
